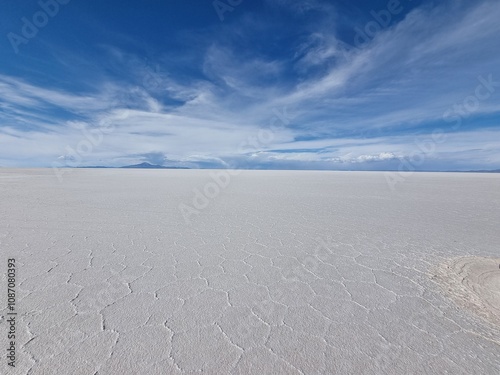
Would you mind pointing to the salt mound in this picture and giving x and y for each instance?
(473, 283)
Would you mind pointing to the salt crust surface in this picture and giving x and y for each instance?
(282, 273)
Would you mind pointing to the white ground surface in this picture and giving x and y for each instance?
(282, 273)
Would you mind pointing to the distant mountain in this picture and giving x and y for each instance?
(95, 167)
(150, 166)
(135, 166)
(491, 171)
(480, 171)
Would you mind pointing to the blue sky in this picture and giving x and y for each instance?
(341, 85)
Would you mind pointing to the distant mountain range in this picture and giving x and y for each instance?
(146, 165)
(479, 171)
(150, 166)
(138, 166)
